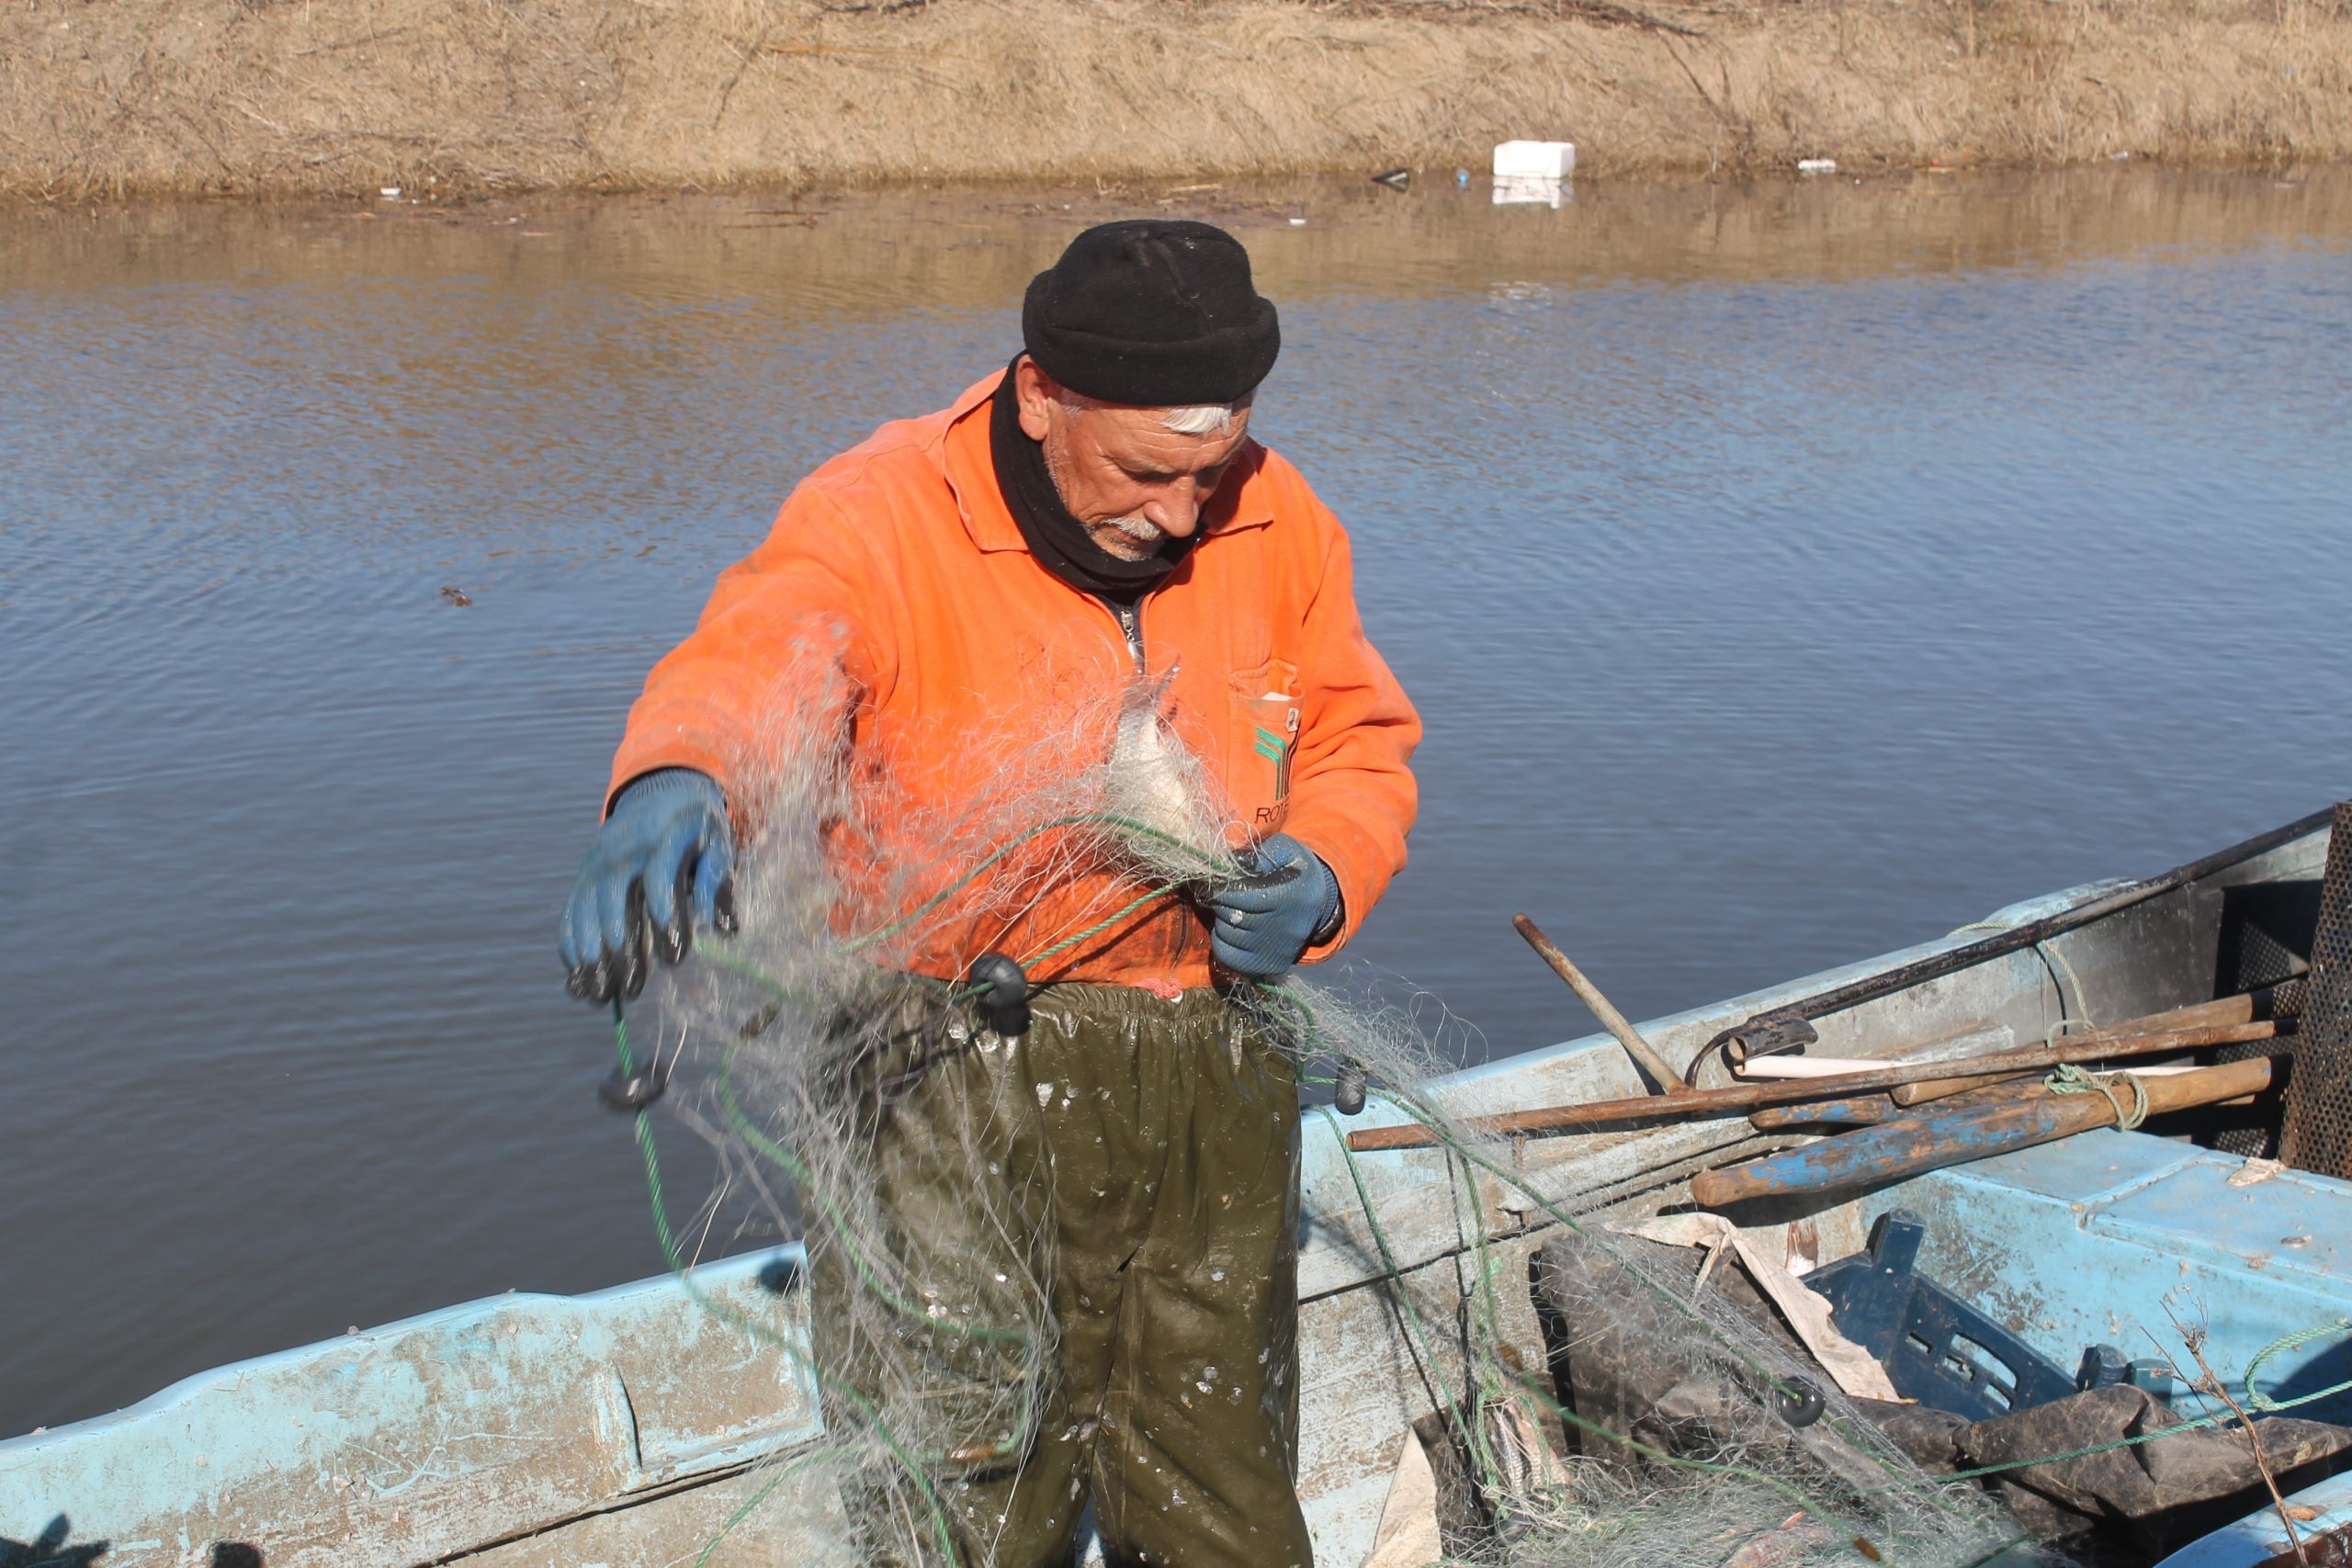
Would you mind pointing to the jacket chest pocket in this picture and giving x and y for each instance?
(1262, 724)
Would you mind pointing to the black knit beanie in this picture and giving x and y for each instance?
(1155, 312)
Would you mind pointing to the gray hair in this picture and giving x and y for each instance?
(1192, 419)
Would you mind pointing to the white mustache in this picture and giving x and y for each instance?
(1142, 529)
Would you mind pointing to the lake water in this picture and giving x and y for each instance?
(1786, 574)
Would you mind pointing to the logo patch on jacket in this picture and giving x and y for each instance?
(1276, 749)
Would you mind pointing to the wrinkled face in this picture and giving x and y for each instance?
(1128, 478)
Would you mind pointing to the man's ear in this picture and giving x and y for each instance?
(1034, 391)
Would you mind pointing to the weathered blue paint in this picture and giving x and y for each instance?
(621, 1429)
(1894, 1150)
(1857, 1111)
(2259, 1536)
(433, 1435)
(1936, 1347)
(2091, 1239)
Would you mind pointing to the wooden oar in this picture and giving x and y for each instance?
(2225, 1010)
(2239, 1009)
(1748, 1097)
(1955, 1136)
(1869, 1109)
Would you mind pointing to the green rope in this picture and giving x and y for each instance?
(1099, 927)
(2255, 1398)
(1430, 1119)
(760, 1332)
(767, 1148)
(2051, 960)
(1553, 1407)
(1388, 1262)
(752, 1504)
(2071, 1080)
(1084, 819)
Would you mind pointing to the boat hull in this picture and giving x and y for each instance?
(630, 1426)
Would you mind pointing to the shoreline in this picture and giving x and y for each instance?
(229, 97)
(967, 247)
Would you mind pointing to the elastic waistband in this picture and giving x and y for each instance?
(1081, 999)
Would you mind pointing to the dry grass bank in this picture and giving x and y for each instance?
(282, 96)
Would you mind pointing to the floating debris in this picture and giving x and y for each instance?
(1534, 159)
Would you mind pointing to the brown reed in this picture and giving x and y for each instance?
(298, 98)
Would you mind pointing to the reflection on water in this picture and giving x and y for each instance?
(1785, 574)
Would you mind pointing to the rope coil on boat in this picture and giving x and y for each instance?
(2071, 1080)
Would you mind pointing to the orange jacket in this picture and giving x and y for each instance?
(900, 562)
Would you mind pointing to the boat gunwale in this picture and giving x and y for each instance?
(1333, 1263)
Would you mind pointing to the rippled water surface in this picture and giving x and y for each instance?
(1786, 574)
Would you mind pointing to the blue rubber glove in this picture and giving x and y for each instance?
(1260, 926)
(659, 863)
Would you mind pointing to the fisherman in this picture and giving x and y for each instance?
(1097, 507)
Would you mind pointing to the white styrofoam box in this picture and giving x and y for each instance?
(1534, 159)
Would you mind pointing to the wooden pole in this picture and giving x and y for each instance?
(1859, 1111)
(1955, 1136)
(1740, 1098)
(1645, 1055)
(2222, 1009)
(1910, 1094)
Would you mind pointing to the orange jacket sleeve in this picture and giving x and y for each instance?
(792, 622)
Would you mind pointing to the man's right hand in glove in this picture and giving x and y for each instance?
(659, 863)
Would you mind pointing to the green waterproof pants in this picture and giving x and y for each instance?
(1076, 1281)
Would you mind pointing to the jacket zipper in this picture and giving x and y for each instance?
(1130, 619)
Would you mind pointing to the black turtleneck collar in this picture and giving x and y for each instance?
(1058, 540)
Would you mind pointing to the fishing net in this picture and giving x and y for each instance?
(783, 1044)
(1669, 1415)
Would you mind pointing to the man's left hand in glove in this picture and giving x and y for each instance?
(1261, 925)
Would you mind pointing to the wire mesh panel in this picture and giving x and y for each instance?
(2317, 1133)
(2254, 1130)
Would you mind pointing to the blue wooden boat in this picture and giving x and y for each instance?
(634, 1426)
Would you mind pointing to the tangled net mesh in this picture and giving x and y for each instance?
(1695, 1429)
(1687, 1441)
(779, 1042)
